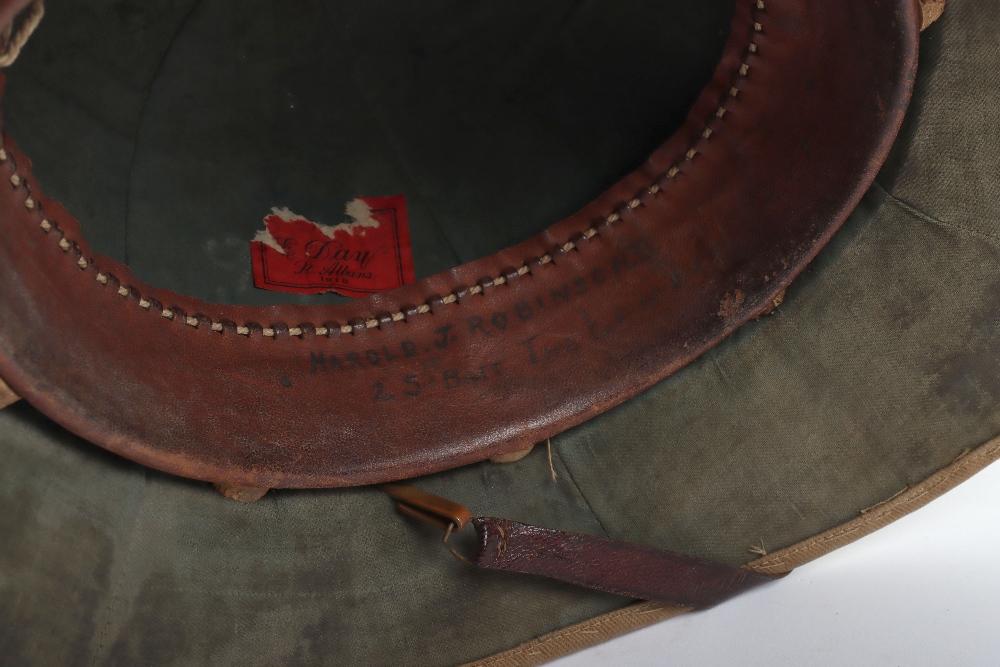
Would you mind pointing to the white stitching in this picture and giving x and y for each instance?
(371, 323)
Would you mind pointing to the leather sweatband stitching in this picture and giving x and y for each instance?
(195, 321)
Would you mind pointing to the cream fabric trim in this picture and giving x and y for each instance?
(582, 635)
(7, 395)
(965, 466)
(608, 626)
(930, 11)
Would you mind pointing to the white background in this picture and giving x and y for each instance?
(925, 590)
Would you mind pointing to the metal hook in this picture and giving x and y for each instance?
(432, 510)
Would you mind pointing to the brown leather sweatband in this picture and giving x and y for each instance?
(493, 355)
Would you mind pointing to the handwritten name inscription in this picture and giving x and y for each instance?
(529, 346)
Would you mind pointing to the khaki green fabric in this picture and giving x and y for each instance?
(880, 367)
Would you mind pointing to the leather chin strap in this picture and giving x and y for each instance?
(612, 566)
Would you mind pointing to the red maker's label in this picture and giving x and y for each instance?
(368, 253)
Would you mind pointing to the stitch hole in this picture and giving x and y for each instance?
(408, 310)
(533, 264)
(254, 329)
(154, 305)
(179, 315)
(128, 292)
(643, 197)
(384, 318)
(330, 327)
(509, 273)
(225, 327)
(279, 329)
(603, 226)
(556, 253)
(462, 292)
(356, 325)
(434, 303)
(305, 329)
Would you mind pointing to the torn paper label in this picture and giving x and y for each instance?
(366, 253)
